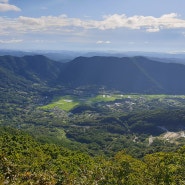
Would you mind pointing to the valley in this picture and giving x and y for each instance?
(93, 112)
(111, 117)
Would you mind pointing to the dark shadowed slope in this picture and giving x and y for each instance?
(28, 69)
(129, 75)
(134, 75)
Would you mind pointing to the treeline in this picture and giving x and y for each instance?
(23, 160)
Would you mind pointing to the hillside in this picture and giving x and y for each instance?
(128, 75)
(23, 160)
(33, 69)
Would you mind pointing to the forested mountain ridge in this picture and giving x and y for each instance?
(129, 75)
(35, 69)
(133, 75)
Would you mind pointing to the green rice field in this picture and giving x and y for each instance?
(67, 103)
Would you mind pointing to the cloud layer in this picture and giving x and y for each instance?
(5, 6)
(10, 41)
(3, 1)
(62, 23)
(103, 42)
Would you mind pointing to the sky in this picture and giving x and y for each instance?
(86, 25)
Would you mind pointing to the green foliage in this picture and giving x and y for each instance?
(23, 160)
(65, 103)
(99, 127)
(103, 98)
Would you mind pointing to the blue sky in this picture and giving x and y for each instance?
(86, 25)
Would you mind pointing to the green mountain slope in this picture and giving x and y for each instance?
(129, 75)
(26, 161)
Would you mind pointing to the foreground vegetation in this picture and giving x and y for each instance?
(23, 160)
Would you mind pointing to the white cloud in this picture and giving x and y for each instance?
(10, 41)
(3, 1)
(60, 24)
(4, 7)
(152, 30)
(99, 42)
(149, 23)
(103, 42)
(43, 41)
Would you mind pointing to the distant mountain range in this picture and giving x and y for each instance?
(126, 74)
(66, 56)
